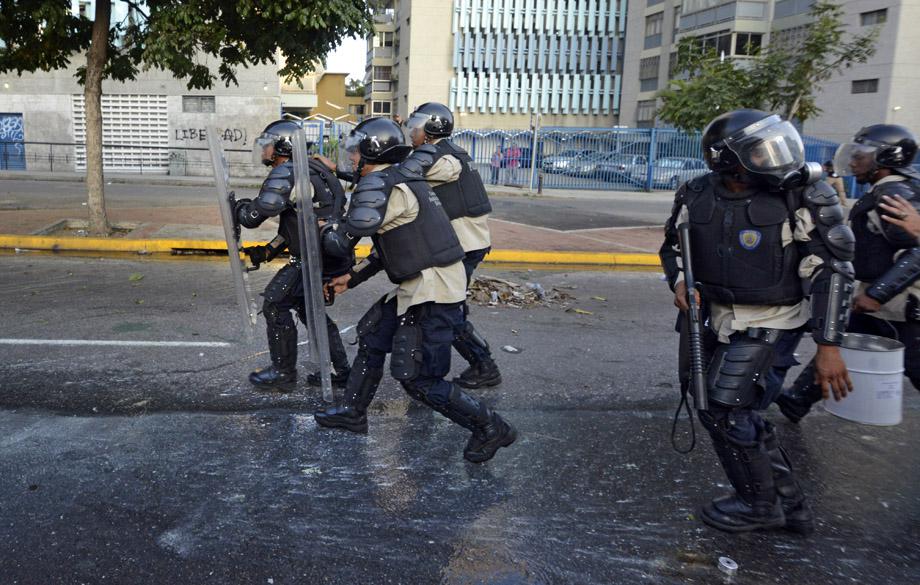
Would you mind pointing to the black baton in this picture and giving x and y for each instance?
(697, 380)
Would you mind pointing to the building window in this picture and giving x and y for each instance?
(383, 39)
(865, 86)
(198, 104)
(382, 73)
(789, 38)
(653, 30)
(646, 111)
(874, 17)
(381, 108)
(648, 67)
(747, 43)
(672, 65)
(356, 109)
(720, 42)
(653, 2)
(676, 23)
(648, 84)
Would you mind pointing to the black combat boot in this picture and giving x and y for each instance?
(482, 371)
(281, 376)
(360, 388)
(755, 504)
(479, 375)
(799, 516)
(490, 431)
(796, 402)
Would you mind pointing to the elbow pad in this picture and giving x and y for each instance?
(831, 295)
(904, 273)
(336, 242)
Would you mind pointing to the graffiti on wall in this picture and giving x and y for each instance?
(12, 153)
(231, 135)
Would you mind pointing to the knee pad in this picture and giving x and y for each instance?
(737, 371)
(406, 359)
(369, 322)
(275, 317)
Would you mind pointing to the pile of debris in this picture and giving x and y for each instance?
(492, 291)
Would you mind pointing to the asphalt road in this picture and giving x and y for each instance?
(127, 464)
(587, 212)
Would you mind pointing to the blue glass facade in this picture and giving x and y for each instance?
(529, 56)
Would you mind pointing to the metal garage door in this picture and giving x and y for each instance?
(135, 132)
(12, 148)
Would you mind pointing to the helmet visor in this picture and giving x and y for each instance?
(414, 128)
(771, 149)
(263, 148)
(853, 159)
(348, 153)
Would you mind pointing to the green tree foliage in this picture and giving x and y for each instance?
(354, 87)
(199, 41)
(784, 79)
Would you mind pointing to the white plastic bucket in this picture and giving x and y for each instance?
(876, 366)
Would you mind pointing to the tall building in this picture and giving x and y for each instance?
(497, 62)
(878, 91)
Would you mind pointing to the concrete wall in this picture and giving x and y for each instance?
(46, 102)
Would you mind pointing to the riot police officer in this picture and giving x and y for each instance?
(755, 239)
(450, 172)
(421, 254)
(887, 259)
(284, 293)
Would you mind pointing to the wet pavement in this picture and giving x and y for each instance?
(161, 465)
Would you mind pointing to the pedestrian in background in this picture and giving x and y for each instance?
(496, 164)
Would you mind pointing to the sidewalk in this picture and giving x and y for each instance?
(196, 227)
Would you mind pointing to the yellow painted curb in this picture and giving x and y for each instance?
(169, 246)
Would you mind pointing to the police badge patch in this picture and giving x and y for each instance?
(750, 239)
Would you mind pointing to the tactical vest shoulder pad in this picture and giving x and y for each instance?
(820, 194)
(421, 160)
(372, 182)
(275, 193)
(698, 184)
(907, 189)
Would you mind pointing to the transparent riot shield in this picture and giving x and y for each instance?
(238, 271)
(311, 265)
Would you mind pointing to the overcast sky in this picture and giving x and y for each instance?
(349, 58)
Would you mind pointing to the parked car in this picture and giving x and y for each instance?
(587, 164)
(562, 162)
(621, 167)
(671, 172)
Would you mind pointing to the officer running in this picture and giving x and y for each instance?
(285, 290)
(450, 172)
(887, 260)
(415, 245)
(755, 242)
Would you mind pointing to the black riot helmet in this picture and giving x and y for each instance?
(767, 147)
(374, 141)
(277, 134)
(886, 146)
(432, 118)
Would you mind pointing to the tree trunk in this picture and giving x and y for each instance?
(92, 93)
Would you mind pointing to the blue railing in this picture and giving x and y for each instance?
(607, 159)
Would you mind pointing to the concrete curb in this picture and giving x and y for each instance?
(124, 245)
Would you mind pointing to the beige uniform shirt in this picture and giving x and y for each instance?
(473, 232)
(439, 284)
(726, 319)
(893, 310)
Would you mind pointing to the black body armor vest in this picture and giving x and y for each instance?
(427, 241)
(465, 197)
(737, 245)
(874, 253)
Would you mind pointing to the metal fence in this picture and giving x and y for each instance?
(605, 159)
(595, 158)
